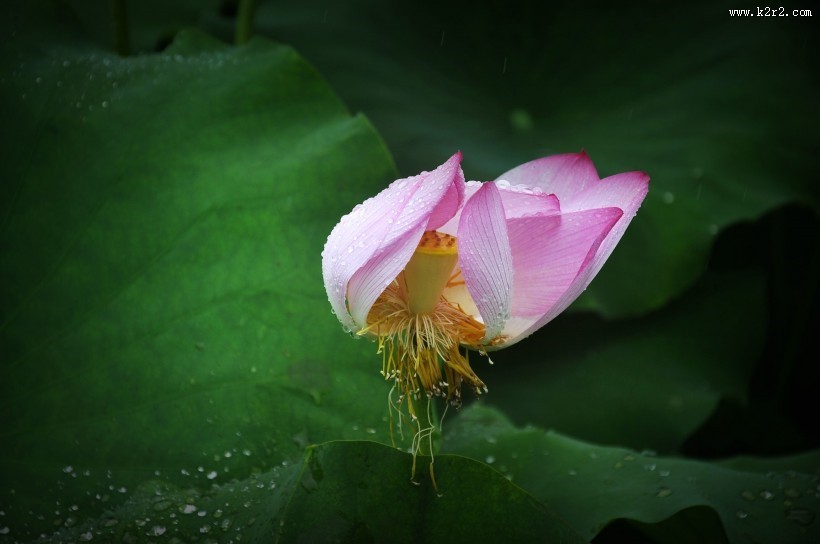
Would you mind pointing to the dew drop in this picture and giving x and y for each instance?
(490, 459)
(742, 514)
(663, 492)
(766, 495)
(748, 495)
(211, 475)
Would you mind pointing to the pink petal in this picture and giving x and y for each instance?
(377, 231)
(449, 205)
(625, 191)
(550, 254)
(376, 274)
(485, 257)
(562, 175)
(518, 201)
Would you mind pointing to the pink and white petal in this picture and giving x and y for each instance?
(550, 255)
(625, 191)
(485, 257)
(520, 201)
(355, 239)
(451, 226)
(377, 223)
(451, 203)
(431, 189)
(562, 175)
(372, 279)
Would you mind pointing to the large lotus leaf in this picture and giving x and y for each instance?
(341, 492)
(591, 486)
(719, 110)
(162, 303)
(645, 383)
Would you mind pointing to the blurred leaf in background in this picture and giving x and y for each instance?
(167, 350)
(162, 304)
(719, 110)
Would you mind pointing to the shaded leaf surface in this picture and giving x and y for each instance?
(591, 486)
(162, 302)
(341, 492)
(642, 383)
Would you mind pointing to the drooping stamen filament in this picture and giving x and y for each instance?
(422, 336)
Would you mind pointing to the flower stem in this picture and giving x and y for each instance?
(121, 38)
(244, 21)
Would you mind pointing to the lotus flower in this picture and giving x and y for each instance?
(432, 267)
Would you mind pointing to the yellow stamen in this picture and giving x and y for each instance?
(422, 336)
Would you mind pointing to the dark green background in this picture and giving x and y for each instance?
(169, 366)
